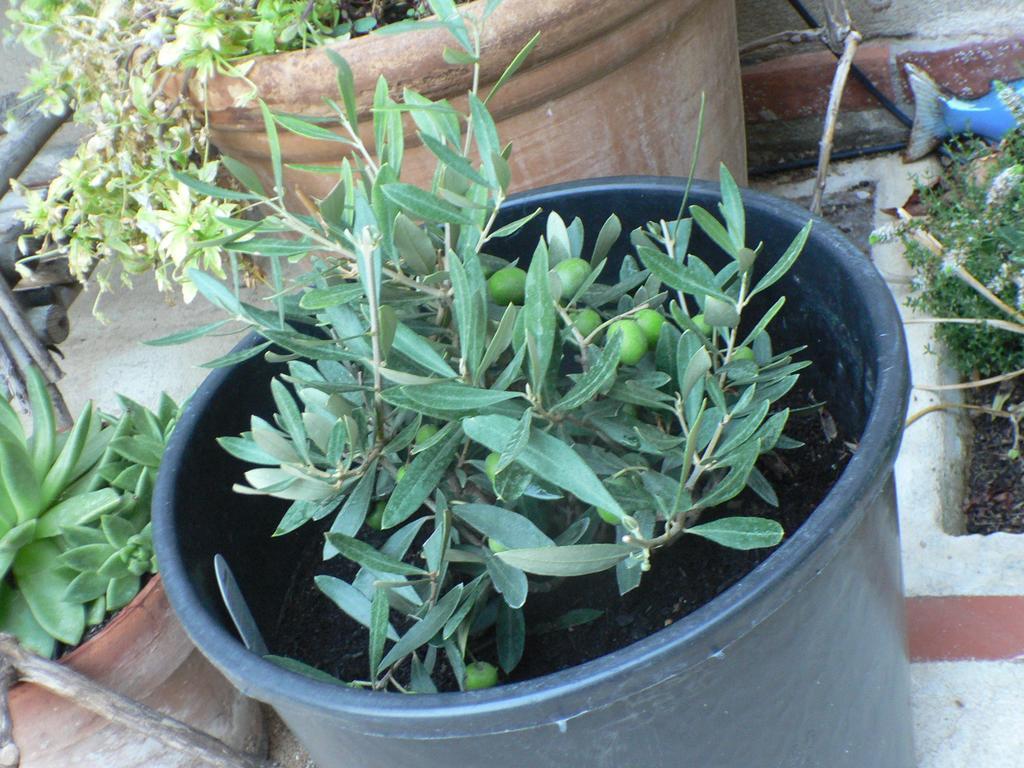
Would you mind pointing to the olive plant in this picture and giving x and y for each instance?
(74, 516)
(473, 426)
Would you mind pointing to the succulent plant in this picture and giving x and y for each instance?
(74, 515)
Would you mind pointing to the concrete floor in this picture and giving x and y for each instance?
(966, 713)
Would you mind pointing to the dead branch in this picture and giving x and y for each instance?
(147, 722)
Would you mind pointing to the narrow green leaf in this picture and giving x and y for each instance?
(513, 66)
(274, 144)
(424, 631)
(246, 176)
(351, 601)
(451, 159)
(346, 85)
(574, 560)
(511, 633)
(308, 130)
(600, 374)
(732, 207)
(786, 260)
(545, 456)
(363, 554)
(509, 528)
(183, 336)
(713, 229)
(740, 532)
(380, 628)
(510, 582)
(423, 205)
(421, 478)
(211, 190)
(539, 318)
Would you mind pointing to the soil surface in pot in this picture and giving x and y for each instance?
(683, 577)
(995, 499)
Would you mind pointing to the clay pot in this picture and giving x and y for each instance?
(612, 88)
(143, 653)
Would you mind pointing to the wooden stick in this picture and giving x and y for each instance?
(22, 144)
(9, 307)
(835, 98)
(10, 755)
(149, 723)
(11, 377)
(793, 37)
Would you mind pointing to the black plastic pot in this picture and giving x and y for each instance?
(803, 662)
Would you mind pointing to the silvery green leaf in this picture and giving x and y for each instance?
(574, 560)
(511, 634)
(760, 485)
(322, 298)
(545, 456)
(574, 532)
(471, 594)
(501, 339)
(559, 247)
(510, 528)
(513, 66)
(363, 554)
(451, 159)
(183, 336)
(422, 477)
(437, 119)
(486, 135)
(768, 316)
(301, 512)
(639, 394)
(732, 208)
(721, 313)
(353, 512)
(540, 320)
(740, 532)
(740, 430)
(414, 246)
(512, 483)
(606, 238)
(424, 631)
(740, 462)
(346, 85)
(301, 668)
(290, 418)
(713, 229)
(675, 275)
(211, 190)
(786, 260)
(510, 374)
(424, 205)
(770, 433)
(309, 130)
(236, 357)
(351, 601)
(696, 367)
(446, 398)
(380, 628)
(512, 227)
(419, 676)
(516, 442)
(469, 291)
(597, 377)
(628, 574)
(510, 582)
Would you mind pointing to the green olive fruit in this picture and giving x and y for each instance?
(743, 353)
(702, 324)
(607, 516)
(586, 321)
(572, 273)
(650, 322)
(507, 286)
(491, 465)
(496, 546)
(376, 518)
(634, 342)
(480, 675)
(424, 433)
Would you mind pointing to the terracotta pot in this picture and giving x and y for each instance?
(144, 654)
(612, 88)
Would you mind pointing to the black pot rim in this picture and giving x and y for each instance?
(695, 639)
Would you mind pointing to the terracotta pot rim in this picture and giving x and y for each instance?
(80, 653)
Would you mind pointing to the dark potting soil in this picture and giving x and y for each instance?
(995, 498)
(683, 577)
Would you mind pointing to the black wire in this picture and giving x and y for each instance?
(856, 71)
(810, 162)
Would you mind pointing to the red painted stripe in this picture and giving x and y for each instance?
(966, 628)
